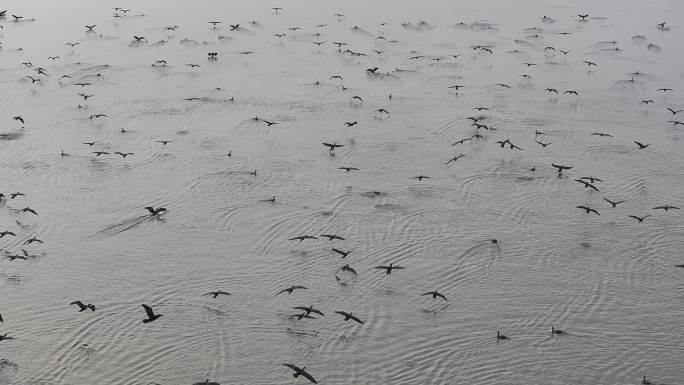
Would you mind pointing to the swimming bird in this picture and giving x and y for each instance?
(349, 316)
(290, 289)
(309, 310)
(31, 240)
(82, 306)
(436, 294)
(303, 237)
(217, 293)
(556, 331)
(420, 177)
(588, 209)
(338, 251)
(614, 204)
(332, 236)
(666, 208)
(155, 212)
(301, 372)
(583, 17)
(150, 314)
(123, 154)
(500, 337)
(641, 145)
(388, 269)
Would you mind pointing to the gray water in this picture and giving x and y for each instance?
(608, 281)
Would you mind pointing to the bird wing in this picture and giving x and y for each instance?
(343, 313)
(397, 268)
(293, 367)
(149, 311)
(442, 296)
(301, 308)
(309, 377)
(381, 267)
(150, 209)
(78, 303)
(298, 287)
(428, 293)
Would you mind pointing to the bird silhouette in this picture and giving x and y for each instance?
(614, 204)
(155, 212)
(309, 310)
(435, 294)
(641, 145)
(303, 237)
(332, 237)
(500, 337)
(388, 269)
(666, 208)
(150, 314)
(291, 289)
(640, 219)
(588, 210)
(349, 316)
(215, 294)
(301, 372)
(82, 306)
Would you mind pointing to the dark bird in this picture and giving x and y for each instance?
(500, 337)
(583, 17)
(214, 23)
(234, 27)
(564, 52)
(303, 237)
(602, 134)
(458, 87)
(388, 269)
(571, 92)
(138, 39)
(481, 108)
(647, 101)
(217, 293)
(83, 84)
(588, 210)
(33, 80)
(82, 306)
(97, 116)
(28, 210)
(591, 179)
(98, 153)
(420, 177)
(164, 142)
(552, 90)
(347, 169)
(356, 97)
(542, 143)
(332, 236)
(90, 27)
(556, 331)
(640, 219)
(676, 123)
(561, 167)
(155, 212)
(436, 294)
(332, 146)
(123, 154)
(503, 85)
(16, 194)
(349, 316)
(338, 251)
(207, 382)
(13, 257)
(455, 158)
(461, 141)
(347, 268)
(382, 111)
(301, 372)
(193, 65)
(641, 145)
(3, 233)
(614, 204)
(302, 315)
(309, 310)
(350, 124)
(665, 89)
(31, 240)
(290, 289)
(19, 118)
(666, 208)
(589, 63)
(150, 314)
(587, 184)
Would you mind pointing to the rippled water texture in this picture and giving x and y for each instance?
(609, 281)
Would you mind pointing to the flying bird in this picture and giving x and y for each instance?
(291, 289)
(388, 269)
(217, 293)
(349, 316)
(435, 294)
(150, 314)
(301, 372)
(82, 306)
(155, 212)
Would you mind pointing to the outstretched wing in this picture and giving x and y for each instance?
(149, 311)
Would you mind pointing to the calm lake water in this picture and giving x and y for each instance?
(608, 281)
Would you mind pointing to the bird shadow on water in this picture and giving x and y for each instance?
(125, 225)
